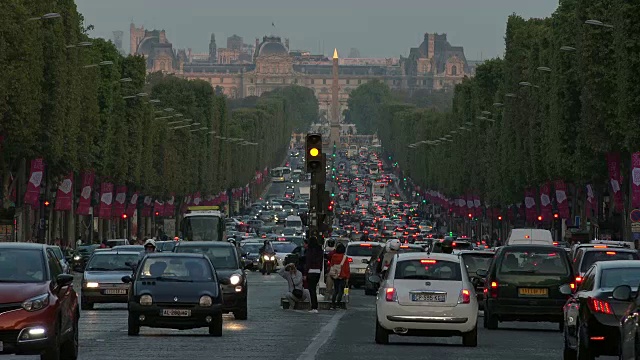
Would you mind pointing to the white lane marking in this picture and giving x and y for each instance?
(323, 336)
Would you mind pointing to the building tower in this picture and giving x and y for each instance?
(213, 49)
(334, 139)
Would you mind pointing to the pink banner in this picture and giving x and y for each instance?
(158, 208)
(209, 200)
(147, 207)
(133, 204)
(64, 196)
(561, 199)
(84, 203)
(545, 202)
(32, 195)
(106, 200)
(530, 205)
(613, 163)
(197, 199)
(119, 204)
(635, 180)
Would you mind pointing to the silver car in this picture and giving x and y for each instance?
(102, 277)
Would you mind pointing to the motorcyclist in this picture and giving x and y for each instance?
(391, 249)
(266, 249)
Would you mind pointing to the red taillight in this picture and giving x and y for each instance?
(428, 261)
(599, 306)
(578, 279)
(390, 294)
(611, 252)
(350, 260)
(573, 286)
(493, 289)
(555, 243)
(367, 245)
(465, 297)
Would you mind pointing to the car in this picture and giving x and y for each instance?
(176, 291)
(39, 311)
(523, 284)
(586, 257)
(66, 268)
(375, 266)
(426, 294)
(251, 254)
(475, 260)
(101, 279)
(228, 264)
(165, 246)
(82, 255)
(592, 315)
(359, 253)
(136, 248)
(282, 249)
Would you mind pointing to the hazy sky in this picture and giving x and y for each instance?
(377, 28)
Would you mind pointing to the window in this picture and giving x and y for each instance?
(221, 80)
(54, 264)
(313, 81)
(534, 262)
(454, 70)
(591, 257)
(111, 262)
(21, 265)
(359, 81)
(428, 269)
(361, 250)
(610, 278)
(475, 262)
(348, 81)
(588, 282)
(176, 269)
(324, 81)
(222, 257)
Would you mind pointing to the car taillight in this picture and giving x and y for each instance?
(350, 260)
(578, 279)
(390, 294)
(599, 306)
(493, 289)
(465, 297)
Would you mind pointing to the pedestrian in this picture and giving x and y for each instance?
(296, 293)
(314, 261)
(340, 275)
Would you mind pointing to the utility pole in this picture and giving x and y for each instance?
(316, 165)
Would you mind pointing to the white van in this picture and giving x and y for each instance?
(293, 222)
(530, 237)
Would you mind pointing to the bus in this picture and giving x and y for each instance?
(378, 191)
(373, 169)
(352, 151)
(203, 223)
(280, 174)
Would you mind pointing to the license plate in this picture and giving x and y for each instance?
(176, 312)
(429, 297)
(530, 292)
(362, 271)
(116, 292)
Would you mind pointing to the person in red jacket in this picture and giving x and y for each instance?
(339, 282)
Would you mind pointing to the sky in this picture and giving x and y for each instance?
(376, 28)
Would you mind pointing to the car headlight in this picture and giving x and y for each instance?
(266, 257)
(235, 279)
(273, 258)
(92, 285)
(77, 257)
(36, 303)
(206, 301)
(146, 300)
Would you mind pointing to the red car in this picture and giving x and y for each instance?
(38, 305)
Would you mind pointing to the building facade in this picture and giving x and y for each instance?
(434, 65)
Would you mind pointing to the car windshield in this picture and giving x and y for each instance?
(474, 262)
(86, 249)
(591, 257)
(610, 278)
(365, 250)
(21, 266)
(201, 228)
(285, 248)
(111, 262)
(534, 262)
(251, 248)
(288, 231)
(428, 269)
(222, 257)
(180, 269)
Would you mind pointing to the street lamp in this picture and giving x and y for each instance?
(544, 68)
(511, 95)
(525, 83)
(568, 48)
(168, 109)
(598, 23)
(101, 63)
(498, 104)
(127, 79)
(46, 17)
(80, 44)
(469, 123)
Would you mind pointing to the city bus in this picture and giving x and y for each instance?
(378, 191)
(352, 151)
(203, 223)
(280, 174)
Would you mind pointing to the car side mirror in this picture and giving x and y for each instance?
(64, 280)
(482, 273)
(565, 289)
(622, 293)
(126, 279)
(375, 279)
(224, 281)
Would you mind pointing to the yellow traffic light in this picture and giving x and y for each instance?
(314, 152)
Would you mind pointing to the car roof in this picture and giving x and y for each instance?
(174, 255)
(373, 243)
(205, 243)
(22, 245)
(617, 264)
(480, 252)
(119, 252)
(422, 255)
(530, 246)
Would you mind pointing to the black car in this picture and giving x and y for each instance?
(457, 245)
(592, 315)
(523, 284)
(225, 258)
(175, 291)
(474, 261)
(374, 267)
(82, 255)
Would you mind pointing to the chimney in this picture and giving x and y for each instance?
(286, 43)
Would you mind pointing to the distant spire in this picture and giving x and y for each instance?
(335, 53)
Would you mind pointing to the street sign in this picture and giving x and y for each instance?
(635, 215)
(635, 227)
(576, 222)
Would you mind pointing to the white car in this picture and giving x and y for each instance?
(359, 253)
(426, 294)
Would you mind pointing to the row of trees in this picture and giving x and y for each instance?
(565, 95)
(79, 104)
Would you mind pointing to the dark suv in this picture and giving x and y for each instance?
(523, 284)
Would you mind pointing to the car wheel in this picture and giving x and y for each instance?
(242, 313)
(490, 321)
(69, 349)
(215, 329)
(470, 338)
(382, 334)
(53, 352)
(583, 352)
(133, 327)
(567, 352)
(85, 305)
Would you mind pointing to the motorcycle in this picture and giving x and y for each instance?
(268, 263)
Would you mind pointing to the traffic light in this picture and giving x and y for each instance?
(313, 156)
(470, 215)
(499, 217)
(331, 204)
(157, 213)
(46, 203)
(539, 217)
(124, 216)
(556, 216)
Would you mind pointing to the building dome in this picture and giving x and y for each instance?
(273, 48)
